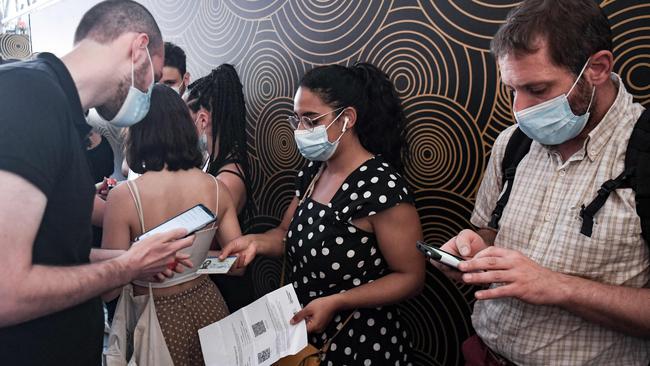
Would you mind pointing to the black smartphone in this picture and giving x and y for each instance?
(191, 220)
(439, 255)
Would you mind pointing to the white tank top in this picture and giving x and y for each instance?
(198, 250)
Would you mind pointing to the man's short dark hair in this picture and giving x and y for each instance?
(165, 138)
(110, 19)
(175, 57)
(573, 30)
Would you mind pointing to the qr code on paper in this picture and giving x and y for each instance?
(264, 355)
(259, 328)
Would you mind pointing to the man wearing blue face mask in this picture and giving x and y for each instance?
(174, 75)
(568, 284)
(50, 312)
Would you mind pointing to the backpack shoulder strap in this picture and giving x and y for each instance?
(517, 147)
(635, 175)
(637, 159)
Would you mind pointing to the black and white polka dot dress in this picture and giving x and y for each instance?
(327, 255)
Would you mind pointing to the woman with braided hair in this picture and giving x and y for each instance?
(217, 106)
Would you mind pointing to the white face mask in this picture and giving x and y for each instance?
(178, 88)
(553, 122)
(314, 145)
(136, 105)
(203, 142)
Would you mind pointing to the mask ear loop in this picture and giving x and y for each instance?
(578, 78)
(132, 72)
(197, 123)
(153, 75)
(335, 118)
(345, 125)
(593, 90)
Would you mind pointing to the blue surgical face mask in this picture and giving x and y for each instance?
(178, 88)
(553, 122)
(314, 145)
(136, 104)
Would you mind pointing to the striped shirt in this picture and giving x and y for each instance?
(542, 221)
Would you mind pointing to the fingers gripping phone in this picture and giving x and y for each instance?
(191, 220)
(439, 255)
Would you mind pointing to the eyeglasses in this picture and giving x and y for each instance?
(309, 123)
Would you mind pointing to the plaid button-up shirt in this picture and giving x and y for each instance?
(542, 221)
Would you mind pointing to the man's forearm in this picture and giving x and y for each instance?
(98, 255)
(48, 289)
(624, 309)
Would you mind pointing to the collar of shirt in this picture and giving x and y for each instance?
(602, 133)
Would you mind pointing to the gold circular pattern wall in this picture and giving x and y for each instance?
(270, 71)
(444, 141)
(206, 30)
(436, 52)
(470, 23)
(274, 141)
(630, 25)
(15, 46)
(254, 9)
(328, 31)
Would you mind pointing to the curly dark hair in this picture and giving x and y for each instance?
(381, 123)
(165, 138)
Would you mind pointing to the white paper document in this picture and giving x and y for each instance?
(256, 335)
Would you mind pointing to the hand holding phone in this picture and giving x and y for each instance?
(439, 255)
(191, 220)
(102, 188)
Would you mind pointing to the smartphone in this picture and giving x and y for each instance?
(439, 255)
(192, 220)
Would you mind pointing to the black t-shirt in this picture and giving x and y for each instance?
(42, 128)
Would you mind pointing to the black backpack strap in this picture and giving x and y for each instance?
(587, 213)
(636, 175)
(637, 158)
(517, 147)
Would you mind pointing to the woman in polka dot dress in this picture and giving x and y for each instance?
(350, 232)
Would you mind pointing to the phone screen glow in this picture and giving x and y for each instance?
(190, 220)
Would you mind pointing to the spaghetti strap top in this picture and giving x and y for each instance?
(135, 194)
(198, 250)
